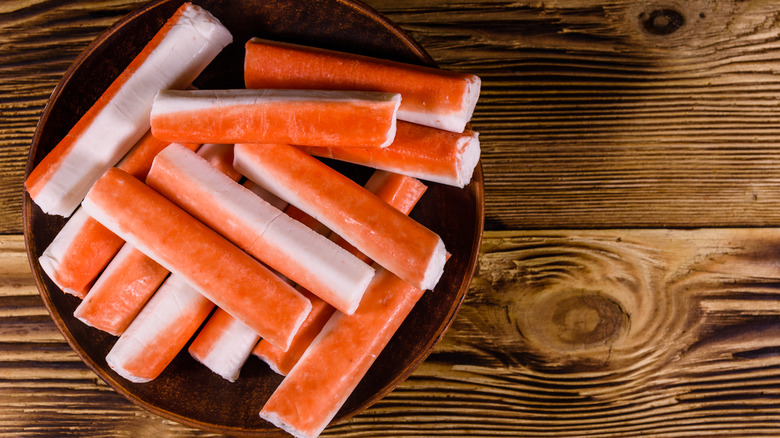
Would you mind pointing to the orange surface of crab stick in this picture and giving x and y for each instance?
(174, 57)
(223, 273)
(79, 252)
(131, 277)
(301, 117)
(121, 291)
(83, 248)
(384, 234)
(432, 97)
(426, 153)
(402, 192)
(160, 331)
(318, 385)
(284, 244)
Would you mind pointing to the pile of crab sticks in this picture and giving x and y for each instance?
(206, 217)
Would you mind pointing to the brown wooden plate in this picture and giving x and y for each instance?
(187, 392)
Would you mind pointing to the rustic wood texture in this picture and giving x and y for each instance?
(589, 117)
(601, 123)
(564, 333)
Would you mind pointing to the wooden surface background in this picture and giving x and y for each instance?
(629, 278)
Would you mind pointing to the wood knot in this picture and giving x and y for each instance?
(586, 319)
(663, 21)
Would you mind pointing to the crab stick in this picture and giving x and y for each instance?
(301, 117)
(402, 192)
(219, 270)
(83, 247)
(174, 57)
(224, 344)
(318, 385)
(384, 234)
(426, 153)
(121, 291)
(160, 331)
(432, 97)
(284, 244)
(131, 277)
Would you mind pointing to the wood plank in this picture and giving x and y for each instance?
(563, 333)
(587, 119)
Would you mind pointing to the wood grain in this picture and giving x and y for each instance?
(587, 118)
(563, 333)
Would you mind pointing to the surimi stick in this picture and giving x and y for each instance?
(219, 270)
(284, 244)
(174, 57)
(402, 192)
(384, 234)
(121, 291)
(318, 385)
(132, 277)
(301, 117)
(426, 153)
(432, 97)
(80, 251)
(160, 331)
(223, 344)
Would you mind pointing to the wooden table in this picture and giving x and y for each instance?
(629, 280)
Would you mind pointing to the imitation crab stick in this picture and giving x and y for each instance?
(381, 232)
(301, 117)
(318, 385)
(121, 291)
(131, 277)
(426, 153)
(432, 97)
(284, 244)
(185, 246)
(174, 57)
(160, 331)
(402, 192)
(80, 251)
(223, 344)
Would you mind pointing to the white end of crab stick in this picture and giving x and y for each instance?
(172, 59)
(223, 345)
(432, 97)
(159, 331)
(419, 151)
(284, 244)
(318, 385)
(381, 232)
(304, 117)
(223, 273)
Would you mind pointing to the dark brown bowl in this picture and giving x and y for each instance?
(187, 392)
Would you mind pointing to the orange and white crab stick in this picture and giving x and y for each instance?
(121, 291)
(432, 97)
(223, 344)
(387, 236)
(174, 57)
(426, 153)
(400, 191)
(160, 331)
(219, 270)
(284, 244)
(305, 117)
(83, 248)
(131, 277)
(318, 385)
